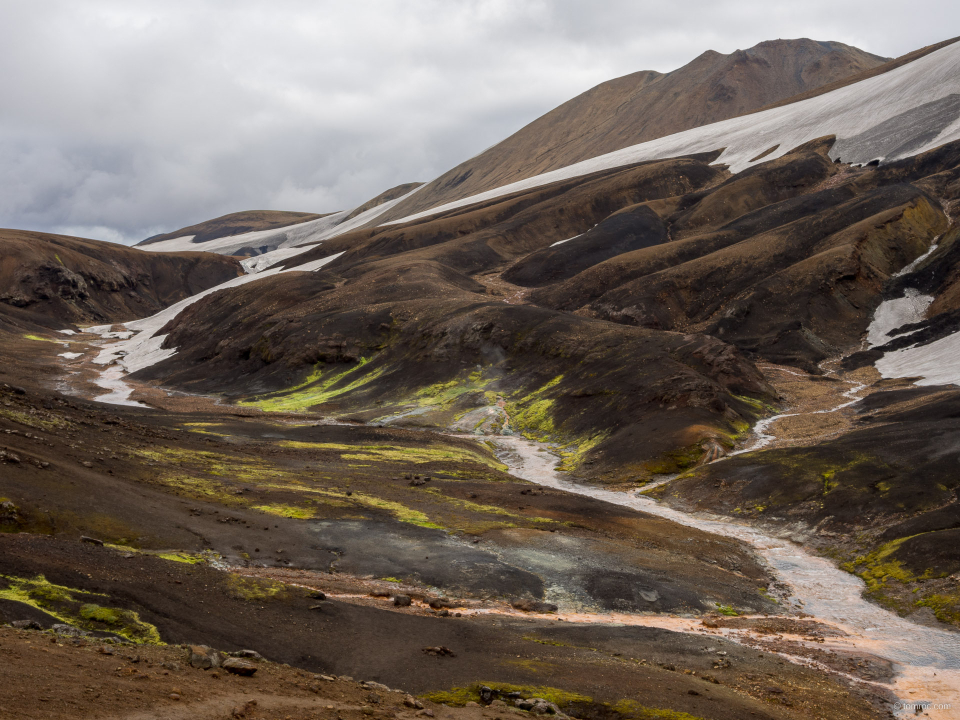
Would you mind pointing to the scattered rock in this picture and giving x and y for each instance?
(376, 686)
(68, 630)
(238, 666)
(539, 706)
(204, 657)
(439, 651)
(252, 654)
(242, 711)
(402, 600)
(26, 625)
(533, 606)
(411, 702)
(171, 666)
(318, 595)
(92, 541)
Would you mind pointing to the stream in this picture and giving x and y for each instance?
(927, 659)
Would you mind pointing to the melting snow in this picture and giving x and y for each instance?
(561, 242)
(143, 349)
(892, 314)
(312, 231)
(937, 363)
(896, 97)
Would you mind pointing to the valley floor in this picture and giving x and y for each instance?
(227, 527)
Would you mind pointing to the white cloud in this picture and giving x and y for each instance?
(120, 118)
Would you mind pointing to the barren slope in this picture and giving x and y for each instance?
(648, 105)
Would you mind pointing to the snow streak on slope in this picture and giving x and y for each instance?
(144, 348)
(898, 114)
(312, 231)
(892, 314)
(937, 363)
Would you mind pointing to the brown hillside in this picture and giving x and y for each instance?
(62, 280)
(647, 105)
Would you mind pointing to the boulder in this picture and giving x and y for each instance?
(238, 666)
(204, 657)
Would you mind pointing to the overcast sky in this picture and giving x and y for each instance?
(121, 119)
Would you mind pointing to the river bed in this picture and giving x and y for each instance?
(927, 659)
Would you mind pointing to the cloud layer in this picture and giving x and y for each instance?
(123, 119)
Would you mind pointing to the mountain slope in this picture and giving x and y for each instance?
(54, 280)
(647, 105)
(236, 223)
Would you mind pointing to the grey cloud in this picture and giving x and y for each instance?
(123, 119)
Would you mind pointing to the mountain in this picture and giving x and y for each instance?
(713, 375)
(647, 105)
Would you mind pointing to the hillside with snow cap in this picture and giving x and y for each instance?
(897, 114)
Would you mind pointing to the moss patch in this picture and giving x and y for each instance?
(74, 607)
(460, 696)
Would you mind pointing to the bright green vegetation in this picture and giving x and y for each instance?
(37, 422)
(319, 387)
(460, 696)
(532, 413)
(37, 338)
(183, 557)
(397, 453)
(484, 509)
(287, 511)
(888, 580)
(727, 610)
(633, 709)
(945, 607)
(73, 607)
(570, 460)
(254, 589)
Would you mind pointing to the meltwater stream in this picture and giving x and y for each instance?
(927, 659)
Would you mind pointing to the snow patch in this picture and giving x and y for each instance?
(305, 233)
(141, 346)
(937, 363)
(893, 314)
(70, 355)
(561, 242)
(895, 98)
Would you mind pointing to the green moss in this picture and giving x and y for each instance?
(183, 557)
(73, 607)
(633, 709)
(398, 453)
(945, 607)
(486, 509)
(460, 696)
(319, 387)
(254, 589)
(37, 422)
(37, 338)
(571, 460)
(286, 511)
(531, 414)
(727, 610)
(399, 511)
